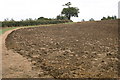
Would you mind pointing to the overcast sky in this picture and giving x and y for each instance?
(22, 9)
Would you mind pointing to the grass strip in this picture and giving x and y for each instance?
(3, 30)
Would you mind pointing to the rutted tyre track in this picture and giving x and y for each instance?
(70, 51)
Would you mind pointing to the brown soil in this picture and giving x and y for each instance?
(13, 64)
(80, 50)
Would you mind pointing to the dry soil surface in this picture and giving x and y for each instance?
(81, 50)
(13, 64)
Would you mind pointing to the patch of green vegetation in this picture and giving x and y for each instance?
(6, 29)
(70, 23)
(0, 31)
(10, 28)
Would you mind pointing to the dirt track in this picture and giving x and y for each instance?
(13, 64)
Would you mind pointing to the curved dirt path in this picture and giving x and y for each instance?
(13, 64)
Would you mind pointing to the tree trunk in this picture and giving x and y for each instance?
(69, 17)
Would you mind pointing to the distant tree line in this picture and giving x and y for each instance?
(104, 18)
(91, 19)
(109, 18)
(30, 22)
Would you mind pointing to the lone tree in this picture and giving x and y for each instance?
(70, 11)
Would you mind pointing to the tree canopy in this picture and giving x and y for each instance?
(70, 11)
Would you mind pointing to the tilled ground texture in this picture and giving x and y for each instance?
(80, 50)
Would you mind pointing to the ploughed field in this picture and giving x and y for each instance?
(79, 50)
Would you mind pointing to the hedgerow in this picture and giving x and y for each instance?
(32, 22)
